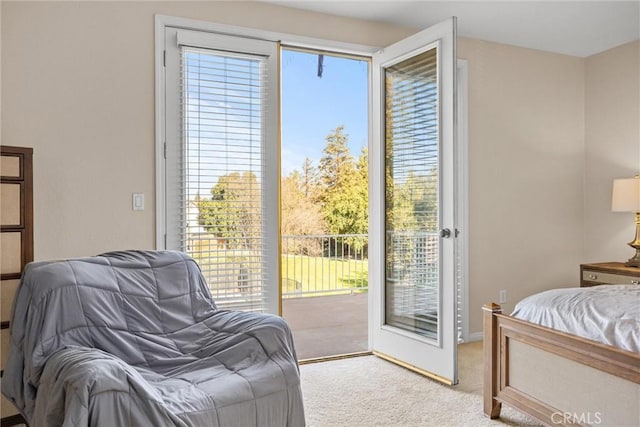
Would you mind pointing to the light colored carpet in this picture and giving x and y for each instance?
(369, 391)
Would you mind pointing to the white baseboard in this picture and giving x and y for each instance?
(474, 336)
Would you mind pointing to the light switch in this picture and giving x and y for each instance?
(138, 201)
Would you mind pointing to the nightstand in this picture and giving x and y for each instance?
(608, 273)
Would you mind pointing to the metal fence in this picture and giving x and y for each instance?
(311, 265)
(319, 265)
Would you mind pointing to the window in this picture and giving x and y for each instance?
(411, 192)
(222, 163)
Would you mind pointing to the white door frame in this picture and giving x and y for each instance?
(462, 188)
(163, 21)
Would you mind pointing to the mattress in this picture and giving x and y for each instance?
(608, 314)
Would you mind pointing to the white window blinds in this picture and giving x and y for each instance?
(225, 206)
(411, 177)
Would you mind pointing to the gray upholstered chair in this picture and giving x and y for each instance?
(134, 339)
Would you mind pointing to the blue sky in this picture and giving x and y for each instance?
(312, 107)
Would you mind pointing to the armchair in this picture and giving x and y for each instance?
(134, 338)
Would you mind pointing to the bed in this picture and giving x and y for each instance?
(556, 376)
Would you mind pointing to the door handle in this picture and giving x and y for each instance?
(445, 233)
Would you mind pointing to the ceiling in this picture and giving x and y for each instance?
(578, 28)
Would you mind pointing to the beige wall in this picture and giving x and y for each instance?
(526, 147)
(78, 86)
(612, 148)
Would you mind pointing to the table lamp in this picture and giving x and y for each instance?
(626, 198)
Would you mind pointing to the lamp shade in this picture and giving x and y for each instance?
(626, 195)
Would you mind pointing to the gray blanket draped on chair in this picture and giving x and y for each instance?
(134, 338)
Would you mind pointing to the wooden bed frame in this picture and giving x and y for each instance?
(555, 377)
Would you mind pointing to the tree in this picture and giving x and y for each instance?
(336, 166)
(233, 212)
(425, 199)
(309, 179)
(412, 203)
(300, 216)
(344, 191)
(346, 213)
(363, 163)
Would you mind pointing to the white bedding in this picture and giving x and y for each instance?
(609, 314)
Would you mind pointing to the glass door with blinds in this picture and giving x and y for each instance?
(221, 163)
(414, 318)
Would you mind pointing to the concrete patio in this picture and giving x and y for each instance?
(327, 326)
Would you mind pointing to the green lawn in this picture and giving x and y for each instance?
(303, 274)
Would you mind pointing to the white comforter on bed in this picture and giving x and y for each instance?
(609, 314)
